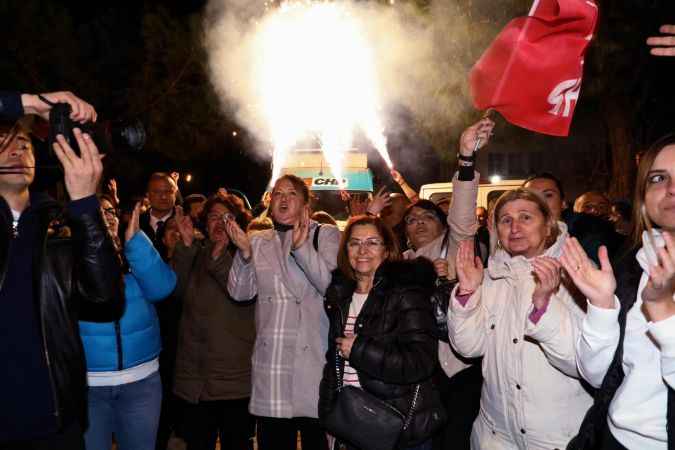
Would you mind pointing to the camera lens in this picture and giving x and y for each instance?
(128, 135)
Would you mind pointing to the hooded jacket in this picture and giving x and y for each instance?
(532, 397)
(395, 348)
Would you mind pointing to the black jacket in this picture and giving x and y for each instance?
(69, 274)
(10, 105)
(628, 273)
(395, 347)
(592, 232)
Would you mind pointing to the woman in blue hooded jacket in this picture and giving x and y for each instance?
(125, 390)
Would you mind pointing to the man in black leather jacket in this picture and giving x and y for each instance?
(54, 263)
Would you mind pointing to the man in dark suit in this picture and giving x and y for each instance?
(162, 190)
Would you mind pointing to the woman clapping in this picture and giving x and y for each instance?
(522, 319)
(287, 270)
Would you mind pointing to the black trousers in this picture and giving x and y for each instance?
(228, 420)
(70, 438)
(171, 415)
(461, 398)
(281, 434)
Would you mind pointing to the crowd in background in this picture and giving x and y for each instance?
(536, 322)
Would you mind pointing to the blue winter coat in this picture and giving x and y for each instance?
(137, 332)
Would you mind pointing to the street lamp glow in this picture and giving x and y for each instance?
(495, 179)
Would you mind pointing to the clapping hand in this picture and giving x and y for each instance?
(134, 223)
(185, 227)
(547, 280)
(657, 295)
(469, 268)
(239, 238)
(301, 230)
(598, 285)
(112, 189)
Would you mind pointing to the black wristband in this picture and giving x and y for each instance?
(471, 158)
(465, 173)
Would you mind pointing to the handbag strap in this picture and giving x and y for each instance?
(413, 403)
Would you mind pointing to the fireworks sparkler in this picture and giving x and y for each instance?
(316, 75)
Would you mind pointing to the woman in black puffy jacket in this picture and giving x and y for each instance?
(381, 324)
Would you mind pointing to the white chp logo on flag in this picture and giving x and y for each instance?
(564, 94)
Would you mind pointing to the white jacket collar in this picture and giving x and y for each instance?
(503, 265)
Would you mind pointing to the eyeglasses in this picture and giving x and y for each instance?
(224, 217)
(424, 217)
(109, 211)
(370, 244)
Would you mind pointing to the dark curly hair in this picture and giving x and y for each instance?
(233, 203)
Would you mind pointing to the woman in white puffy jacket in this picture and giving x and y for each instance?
(524, 322)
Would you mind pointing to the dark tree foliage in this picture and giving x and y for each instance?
(144, 60)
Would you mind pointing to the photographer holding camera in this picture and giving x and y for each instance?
(47, 281)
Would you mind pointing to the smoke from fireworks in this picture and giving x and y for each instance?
(327, 68)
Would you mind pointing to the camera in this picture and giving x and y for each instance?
(109, 136)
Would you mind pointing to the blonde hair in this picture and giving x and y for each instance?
(530, 196)
(641, 220)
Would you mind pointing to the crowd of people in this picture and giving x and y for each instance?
(525, 324)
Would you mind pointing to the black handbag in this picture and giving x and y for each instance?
(440, 298)
(365, 421)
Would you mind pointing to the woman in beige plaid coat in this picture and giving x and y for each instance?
(287, 270)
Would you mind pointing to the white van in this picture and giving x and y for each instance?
(487, 192)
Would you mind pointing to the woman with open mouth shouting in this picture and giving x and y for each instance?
(287, 270)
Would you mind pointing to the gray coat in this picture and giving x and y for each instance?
(291, 325)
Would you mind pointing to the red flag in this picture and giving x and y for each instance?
(532, 71)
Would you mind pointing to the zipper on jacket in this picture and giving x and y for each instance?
(118, 338)
(39, 276)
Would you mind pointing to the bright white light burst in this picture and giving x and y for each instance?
(316, 75)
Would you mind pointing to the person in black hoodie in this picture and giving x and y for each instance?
(55, 266)
(382, 325)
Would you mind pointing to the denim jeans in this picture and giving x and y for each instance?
(129, 411)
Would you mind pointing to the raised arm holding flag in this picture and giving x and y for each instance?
(532, 72)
